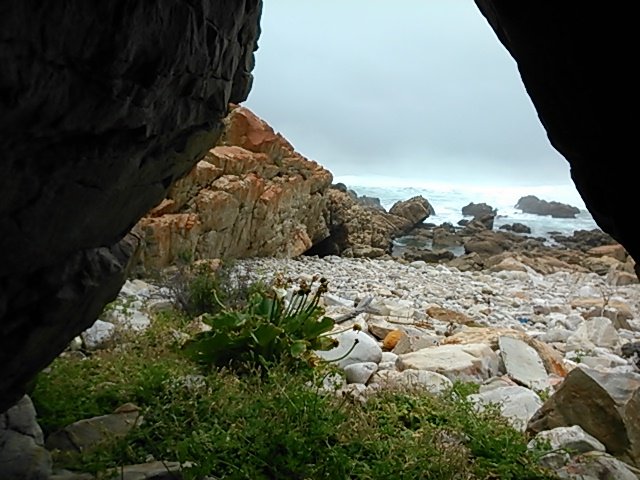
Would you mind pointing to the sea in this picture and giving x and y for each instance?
(448, 199)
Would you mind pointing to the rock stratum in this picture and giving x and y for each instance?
(102, 107)
(251, 195)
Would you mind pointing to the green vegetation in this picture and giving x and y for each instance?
(266, 331)
(270, 419)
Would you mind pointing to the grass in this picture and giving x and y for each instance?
(274, 426)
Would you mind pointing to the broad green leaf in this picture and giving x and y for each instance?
(208, 348)
(298, 348)
(226, 320)
(265, 334)
(264, 307)
(314, 328)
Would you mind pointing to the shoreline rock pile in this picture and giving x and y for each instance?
(532, 204)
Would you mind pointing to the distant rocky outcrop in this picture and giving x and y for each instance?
(532, 204)
(415, 210)
(373, 202)
(516, 227)
(483, 248)
(358, 230)
(478, 210)
(251, 195)
(584, 239)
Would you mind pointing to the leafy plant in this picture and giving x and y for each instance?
(275, 326)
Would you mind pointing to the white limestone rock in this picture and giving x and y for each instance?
(517, 404)
(354, 346)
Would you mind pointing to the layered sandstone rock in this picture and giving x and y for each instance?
(102, 107)
(251, 195)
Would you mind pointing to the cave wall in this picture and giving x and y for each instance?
(574, 60)
(103, 105)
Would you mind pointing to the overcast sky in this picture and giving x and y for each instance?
(417, 88)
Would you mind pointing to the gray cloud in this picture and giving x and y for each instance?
(412, 88)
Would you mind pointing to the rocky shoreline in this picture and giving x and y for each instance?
(550, 332)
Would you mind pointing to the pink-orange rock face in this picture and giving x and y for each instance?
(252, 195)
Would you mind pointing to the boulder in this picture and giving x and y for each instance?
(98, 335)
(488, 242)
(468, 262)
(416, 209)
(615, 250)
(596, 465)
(573, 439)
(445, 238)
(594, 332)
(360, 372)
(485, 220)
(89, 433)
(605, 406)
(523, 364)
(353, 347)
(370, 202)
(584, 240)
(516, 227)
(411, 342)
(432, 382)
(478, 224)
(532, 204)
(447, 315)
(564, 443)
(552, 359)
(478, 210)
(601, 265)
(483, 246)
(517, 404)
(22, 452)
(469, 363)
